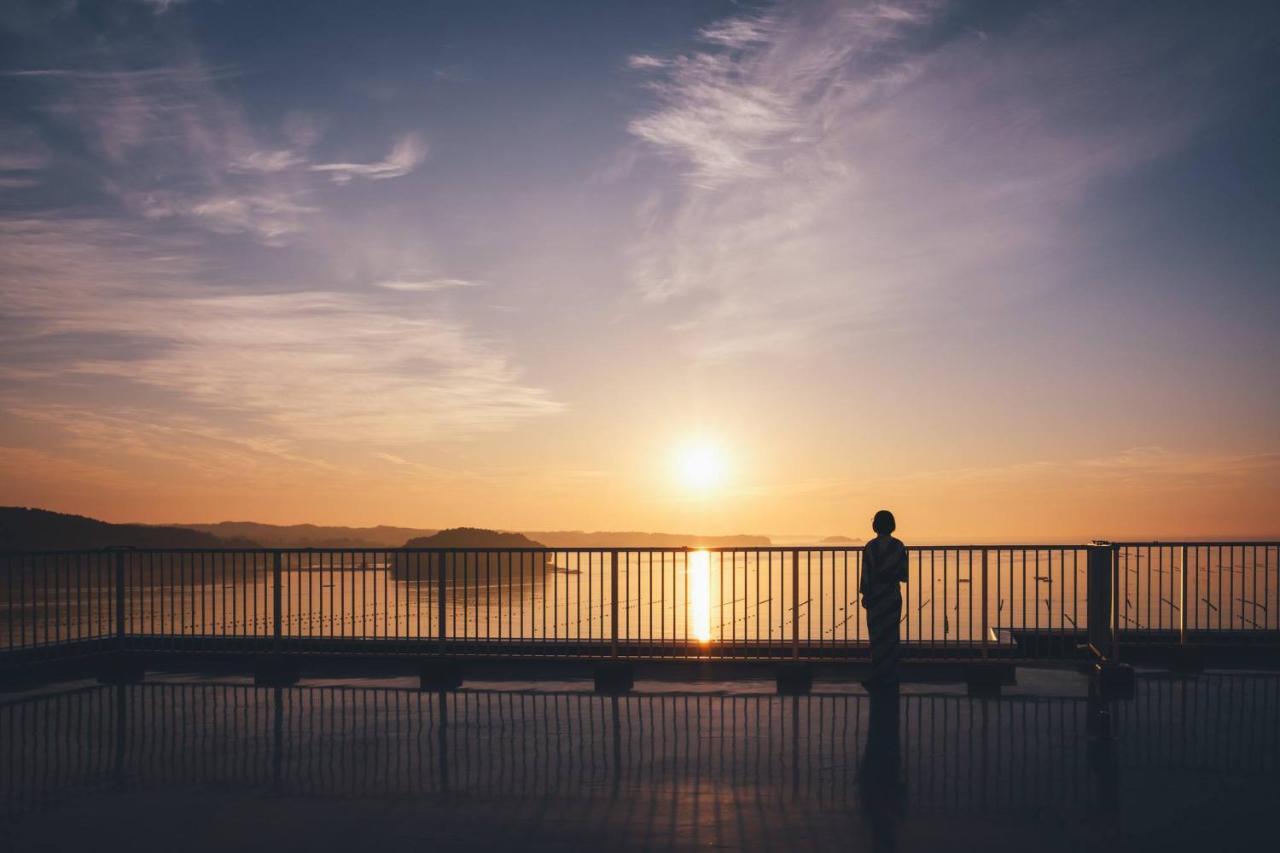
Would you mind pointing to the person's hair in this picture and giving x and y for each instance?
(883, 522)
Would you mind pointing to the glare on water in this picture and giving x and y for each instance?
(700, 595)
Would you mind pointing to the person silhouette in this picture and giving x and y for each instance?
(884, 566)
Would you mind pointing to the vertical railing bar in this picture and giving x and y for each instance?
(1115, 604)
(1256, 600)
(54, 601)
(120, 627)
(844, 563)
(8, 586)
(1230, 587)
(277, 628)
(1219, 548)
(613, 592)
(1182, 596)
(440, 561)
(43, 581)
(985, 605)
(1022, 553)
(795, 598)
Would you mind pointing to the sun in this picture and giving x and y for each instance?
(701, 465)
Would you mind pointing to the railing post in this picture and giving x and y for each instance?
(277, 619)
(795, 604)
(120, 599)
(613, 609)
(1101, 598)
(1115, 604)
(439, 559)
(986, 629)
(1182, 598)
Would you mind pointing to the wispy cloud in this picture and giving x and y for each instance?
(426, 285)
(175, 145)
(308, 365)
(162, 6)
(406, 154)
(268, 162)
(850, 165)
(270, 217)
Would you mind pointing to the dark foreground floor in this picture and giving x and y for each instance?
(194, 765)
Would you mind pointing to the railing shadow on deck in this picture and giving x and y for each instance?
(957, 753)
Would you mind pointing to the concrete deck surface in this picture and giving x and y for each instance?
(200, 763)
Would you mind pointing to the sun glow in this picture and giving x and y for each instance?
(701, 466)
(700, 596)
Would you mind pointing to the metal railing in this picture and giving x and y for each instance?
(1197, 590)
(960, 601)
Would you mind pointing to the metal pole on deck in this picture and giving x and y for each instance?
(613, 610)
(439, 560)
(986, 631)
(120, 599)
(277, 621)
(795, 604)
(1182, 600)
(1115, 604)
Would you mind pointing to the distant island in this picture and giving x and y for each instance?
(473, 537)
(840, 540)
(30, 529)
(407, 565)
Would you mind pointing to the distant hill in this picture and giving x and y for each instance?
(22, 528)
(312, 535)
(840, 540)
(420, 566)
(635, 539)
(473, 537)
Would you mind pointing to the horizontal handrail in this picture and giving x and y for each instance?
(627, 548)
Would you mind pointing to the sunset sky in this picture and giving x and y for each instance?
(1010, 269)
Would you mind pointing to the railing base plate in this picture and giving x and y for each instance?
(120, 669)
(614, 678)
(986, 679)
(276, 672)
(1112, 680)
(794, 679)
(440, 675)
(1186, 660)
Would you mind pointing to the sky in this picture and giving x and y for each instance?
(1007, 268)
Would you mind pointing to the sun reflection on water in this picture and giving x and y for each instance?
(700, 595)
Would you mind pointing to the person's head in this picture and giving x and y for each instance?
(883, 524)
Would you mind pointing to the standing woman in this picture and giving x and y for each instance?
(884, 566)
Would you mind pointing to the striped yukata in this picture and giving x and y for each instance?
(884, 566)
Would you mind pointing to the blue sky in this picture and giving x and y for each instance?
(497, 264)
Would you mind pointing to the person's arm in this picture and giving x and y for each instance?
(903, 564)
(866, 569)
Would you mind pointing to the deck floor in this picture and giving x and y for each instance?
(213, 763)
